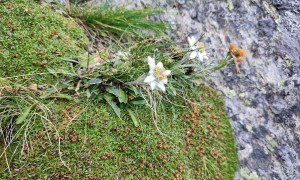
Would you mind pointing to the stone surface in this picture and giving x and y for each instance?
(264, 99)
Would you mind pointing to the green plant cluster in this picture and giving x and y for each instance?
(108, 20)
(119, 79)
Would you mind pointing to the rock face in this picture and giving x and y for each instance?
(263, 101)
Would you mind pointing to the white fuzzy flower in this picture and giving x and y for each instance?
(192, 41)
(200, 55)
(157, 77)
(196, 48)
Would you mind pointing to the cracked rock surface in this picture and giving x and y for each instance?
(263, 101)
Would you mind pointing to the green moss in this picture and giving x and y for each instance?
(197, 144)
(33, 38)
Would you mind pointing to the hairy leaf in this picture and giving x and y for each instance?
(121, 95)
(95, 81)
(109, 100)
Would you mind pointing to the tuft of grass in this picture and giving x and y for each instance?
(108, 20)
(20, 108)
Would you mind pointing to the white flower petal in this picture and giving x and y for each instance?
(205, 57)
(160, 65)
(152, 80)
(161, 86)
(149, 79)
(167, 72)
(194, 48)
(151, 63)
(200, 57)
(153, 85)
(193, 55)
(192, 40)
(164, 81)
(151, 71)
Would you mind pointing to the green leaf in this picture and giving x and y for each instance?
(95, 81)
(88, 93)
(70, 60)
(122, 96)
(175, 115)
(141, 78)
(133, 117)
(52, 71)
(171, 90)
(138, 101)
(133, 89)
(24, 115)
(117, 63)
(63, 71)
(48, 93)
(109, 100)
(62, 96)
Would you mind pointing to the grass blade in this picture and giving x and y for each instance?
(24, 115)
(133, 117)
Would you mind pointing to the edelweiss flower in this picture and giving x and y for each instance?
(198, 50)
(157, 75)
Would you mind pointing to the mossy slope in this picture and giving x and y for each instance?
(198, 143)
(197, 140)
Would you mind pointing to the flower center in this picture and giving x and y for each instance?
(159, 73)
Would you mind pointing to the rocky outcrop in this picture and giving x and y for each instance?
(263, 102)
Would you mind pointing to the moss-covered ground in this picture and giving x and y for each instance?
(198, 143)
(191, 139)
(34, 38)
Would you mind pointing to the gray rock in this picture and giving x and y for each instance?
(193, 13)
(181, 2)
(284, 153)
